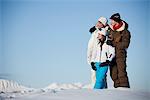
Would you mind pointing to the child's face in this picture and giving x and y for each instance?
(99, 24)
(101, 37)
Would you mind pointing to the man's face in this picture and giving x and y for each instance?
(99, 24)
(112, 22)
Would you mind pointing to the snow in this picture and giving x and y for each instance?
(11, 86)
(76, 91)
(57, 86)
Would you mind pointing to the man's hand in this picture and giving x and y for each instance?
(109, 42)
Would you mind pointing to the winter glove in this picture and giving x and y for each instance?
(109, 42)
(105, 63)
(93, 66)
(92, 29)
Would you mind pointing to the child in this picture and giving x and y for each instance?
(99, 54)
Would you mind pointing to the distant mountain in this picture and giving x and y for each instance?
(11, 86)
(65, 86)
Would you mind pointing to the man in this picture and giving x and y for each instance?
(119, 37)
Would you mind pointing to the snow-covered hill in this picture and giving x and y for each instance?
(11, 86)
(77, 91)
(57, 86)
(80, 94)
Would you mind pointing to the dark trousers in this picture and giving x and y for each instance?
(118, 72)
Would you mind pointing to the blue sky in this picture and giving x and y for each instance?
(45, 41)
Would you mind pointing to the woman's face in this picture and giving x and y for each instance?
(112, 22)
(99, 24)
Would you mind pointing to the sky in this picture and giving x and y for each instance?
(45, 41)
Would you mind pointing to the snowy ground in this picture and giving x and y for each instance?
(10, 90)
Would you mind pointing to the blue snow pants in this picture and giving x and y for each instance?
(101, 74)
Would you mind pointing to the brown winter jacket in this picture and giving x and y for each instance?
(120, 39)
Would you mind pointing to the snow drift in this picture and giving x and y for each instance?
(77, 91)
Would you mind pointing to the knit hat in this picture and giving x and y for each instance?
(116, 17)
(103, 20)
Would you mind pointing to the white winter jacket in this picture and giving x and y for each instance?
(94, 52)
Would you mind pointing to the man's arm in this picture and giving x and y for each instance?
(124, 44)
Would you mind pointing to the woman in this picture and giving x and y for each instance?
(99, 54)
